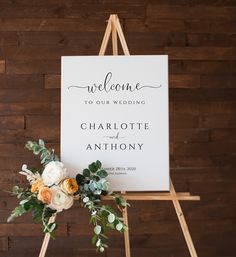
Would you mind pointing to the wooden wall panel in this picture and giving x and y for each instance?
(200, 38)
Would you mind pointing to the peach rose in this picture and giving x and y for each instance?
(36, 186)
(69, 186)
(45, 195)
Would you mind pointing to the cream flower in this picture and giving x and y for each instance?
(60, 200)
(54, 172)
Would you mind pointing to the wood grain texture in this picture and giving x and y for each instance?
(2, 66)
(200, 38)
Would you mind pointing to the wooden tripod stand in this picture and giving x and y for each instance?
(114, 28)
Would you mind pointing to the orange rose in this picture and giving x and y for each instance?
(69, 185)
(36, 186)
(45, 195)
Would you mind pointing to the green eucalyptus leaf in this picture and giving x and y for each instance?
(119, 226)
(86, 187)
(98, 164)
(98, 243)
(119, 200)
(80, 179)
(92, 167)
(86, 172)
(96, 178)
(37, 149)
(92, 186)
(97, 192)
(94, 239)
(97, 229)
(37, 212)
(85, 199)
(101, 249)
(27, 206)
(102, 173)
(52, 226)
(29, 145)
(111, 218)
(41, 143)
(16, 190)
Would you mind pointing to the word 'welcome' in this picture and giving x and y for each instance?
(108, 86)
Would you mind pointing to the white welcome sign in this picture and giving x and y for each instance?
(115, 109)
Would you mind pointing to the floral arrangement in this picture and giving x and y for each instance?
(51, 191)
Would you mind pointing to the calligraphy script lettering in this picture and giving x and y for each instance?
(108, 86)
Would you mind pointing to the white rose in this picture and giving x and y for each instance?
(54, 172)
(60, 200)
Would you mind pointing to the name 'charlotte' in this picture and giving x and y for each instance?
(115, 126)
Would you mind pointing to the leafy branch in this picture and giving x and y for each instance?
(46, 155)
(93, 185)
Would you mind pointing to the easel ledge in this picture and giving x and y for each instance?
(114, 28)
(184, 196)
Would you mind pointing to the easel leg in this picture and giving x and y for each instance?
(105, 38)
(126, 234)
(46, 239)
(114, 36)
(182, 222)
(116, 29)
(121, 36)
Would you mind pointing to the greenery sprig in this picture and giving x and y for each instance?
(46, 155)
(93, 185)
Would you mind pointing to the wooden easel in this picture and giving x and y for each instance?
(114, 28)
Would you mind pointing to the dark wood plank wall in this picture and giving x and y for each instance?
(200, 38)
